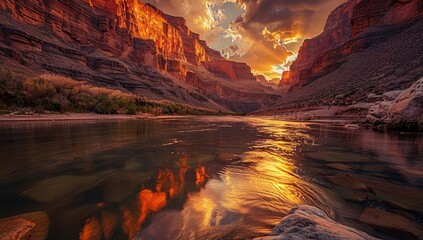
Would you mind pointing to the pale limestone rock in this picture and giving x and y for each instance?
(405, 112)
(408, 107)
(378, 110)
(307, 222)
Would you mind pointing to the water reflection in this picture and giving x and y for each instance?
(168, 184)
(202, 178)
(252, 191)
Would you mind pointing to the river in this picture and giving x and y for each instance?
(202, 177)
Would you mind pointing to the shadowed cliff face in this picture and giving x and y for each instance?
(121, 44)
(324, 54)
(337, 31)
(366, 47)
(383, 12)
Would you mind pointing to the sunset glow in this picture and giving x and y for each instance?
(264, 34)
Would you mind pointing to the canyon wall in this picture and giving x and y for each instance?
(115, 25)
(383, 12)
(118, 43)
(336, 31)
(350, 28)
(229, 69)
(383, 52)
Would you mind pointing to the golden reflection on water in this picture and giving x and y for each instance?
(257, 190)
(221, 179)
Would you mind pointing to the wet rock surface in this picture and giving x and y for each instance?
(307, 222)
(16, 229)
(28, 226)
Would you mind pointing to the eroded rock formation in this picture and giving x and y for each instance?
(336, 31)
(383, 12)
(118, 43)
(341, 36)
(400, 110)
(381, 53)
(229, 69)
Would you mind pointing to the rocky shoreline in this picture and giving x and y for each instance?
(399, 110)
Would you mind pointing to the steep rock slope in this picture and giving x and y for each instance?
(336, 31)
(384, 52)
(119, 44)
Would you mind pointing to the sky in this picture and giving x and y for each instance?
(266, 34)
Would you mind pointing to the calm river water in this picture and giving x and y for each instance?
(202, 177)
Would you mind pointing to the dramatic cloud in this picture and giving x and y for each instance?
(264, 33)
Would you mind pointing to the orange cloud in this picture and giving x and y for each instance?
(266, 34)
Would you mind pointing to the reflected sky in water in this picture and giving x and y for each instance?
(200, 178)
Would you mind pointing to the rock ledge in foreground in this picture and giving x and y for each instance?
(307, 222)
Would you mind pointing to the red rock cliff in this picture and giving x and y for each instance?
(122, 44)
(125, 28)
(371, 13)
(336, 31)
(325, 53)
(229, 69)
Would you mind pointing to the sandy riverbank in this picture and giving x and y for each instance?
(324, 114)
(71, 116)
(321, 114)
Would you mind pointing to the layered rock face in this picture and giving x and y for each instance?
(118, 43)
(383, 53)
(128, 29)
(229, 69)
(372, 13)
(337, 31)
(196, 50)
(341, 36)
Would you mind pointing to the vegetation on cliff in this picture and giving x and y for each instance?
(61, 94)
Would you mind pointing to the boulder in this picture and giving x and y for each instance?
(28, 226)
(307, 222)
(407, 110)
(378, 110)
(16, 229)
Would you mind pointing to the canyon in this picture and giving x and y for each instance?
(125, 45)
(365, 47)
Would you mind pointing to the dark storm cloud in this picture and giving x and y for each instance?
(279, 15)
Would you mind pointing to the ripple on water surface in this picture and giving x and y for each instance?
(205, 178)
